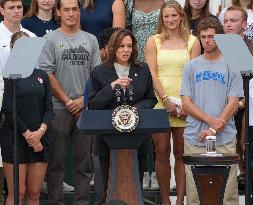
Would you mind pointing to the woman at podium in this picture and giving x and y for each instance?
(34, 112)
(122, 70)
(166, 54)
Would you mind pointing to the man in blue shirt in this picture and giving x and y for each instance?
(210, 94)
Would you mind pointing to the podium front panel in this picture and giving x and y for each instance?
(97, 122)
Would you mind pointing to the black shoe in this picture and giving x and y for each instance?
(241, 181)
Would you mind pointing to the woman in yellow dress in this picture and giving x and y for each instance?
(166, 54)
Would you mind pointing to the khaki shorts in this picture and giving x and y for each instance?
(231, 191)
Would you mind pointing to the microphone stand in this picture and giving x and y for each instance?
(14, 78)
(246, 76)
(118, 93)
(130, 93)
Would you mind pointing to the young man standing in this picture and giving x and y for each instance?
(235, 22)
(12, 11)
(68, 57)
(210, 93)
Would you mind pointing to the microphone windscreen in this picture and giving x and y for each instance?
(117, 87)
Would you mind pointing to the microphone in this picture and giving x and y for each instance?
(118, 93)
(130, 92)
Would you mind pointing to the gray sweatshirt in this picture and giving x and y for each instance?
(70, 59)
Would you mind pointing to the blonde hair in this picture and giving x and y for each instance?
(183, 27)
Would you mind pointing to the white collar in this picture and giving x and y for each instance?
(6, 30)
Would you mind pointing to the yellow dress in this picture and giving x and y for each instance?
(170, 65)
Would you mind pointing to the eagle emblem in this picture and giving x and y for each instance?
(125, 118)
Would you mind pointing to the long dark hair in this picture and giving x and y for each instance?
(204, 11)
(114, 44)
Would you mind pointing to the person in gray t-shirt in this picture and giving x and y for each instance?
(68, 57)
(209, 84)
(210, 94)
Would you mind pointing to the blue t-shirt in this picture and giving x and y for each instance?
(96, 20)
(38, 26)
(209, 84)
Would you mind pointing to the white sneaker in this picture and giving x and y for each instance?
(92, 180)
(154, 182)
(146, 181)
(67, 188)
(44, 187)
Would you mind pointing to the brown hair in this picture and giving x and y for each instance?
(210, 22)
(183, 27)
(237, 8)
(16, 36)
(204, 11)
(2, 2)
(88, 4)
(237, 3)
(114, 44)
(58, 4)
(33, 10)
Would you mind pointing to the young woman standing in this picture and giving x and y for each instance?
(166, 54)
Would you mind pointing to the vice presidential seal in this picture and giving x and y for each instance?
(125, 118)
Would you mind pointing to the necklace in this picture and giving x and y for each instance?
(44, 21)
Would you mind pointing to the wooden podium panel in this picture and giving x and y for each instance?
(124, 177)
(211, 180)
(210, 174)
(124, 181)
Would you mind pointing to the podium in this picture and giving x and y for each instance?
(210, 174)
(124, 180)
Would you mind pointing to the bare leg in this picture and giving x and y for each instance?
(1, 185)
(162, 164)
(8, 171)
(35, 176)
(178, 150)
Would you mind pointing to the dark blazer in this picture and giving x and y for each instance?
(102, 96)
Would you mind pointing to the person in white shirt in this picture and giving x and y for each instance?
(247, 5)
(1, 165)
(1, 89)
(12, 12)
(251, 104)
(250, 129)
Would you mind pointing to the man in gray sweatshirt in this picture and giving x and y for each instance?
(68, 57)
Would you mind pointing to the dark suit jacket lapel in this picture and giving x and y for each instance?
(110, 74)
(134, 74)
